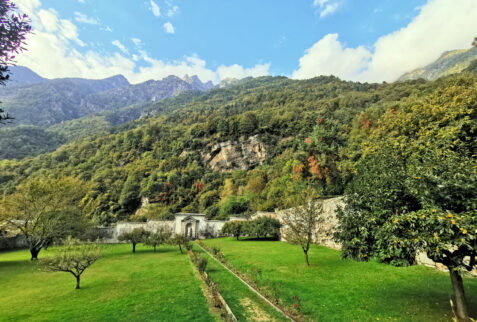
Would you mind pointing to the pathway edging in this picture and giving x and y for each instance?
(248, 285)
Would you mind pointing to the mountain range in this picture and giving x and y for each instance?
(42, 102)
(52, 112)
(450, 62)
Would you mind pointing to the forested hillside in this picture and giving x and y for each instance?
(191, 157)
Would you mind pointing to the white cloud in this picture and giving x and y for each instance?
(136, 41)
(441, 25)
(121, 47)
(172, 11)
(51, 52)
(169, 28)
(155, 9)
(328, 57)
(329, 9)
(237, 71)
(82, 18)
(326, 7)
(81, 1)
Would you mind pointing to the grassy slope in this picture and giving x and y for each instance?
(333, 289)
(246, 305)
(120, 286)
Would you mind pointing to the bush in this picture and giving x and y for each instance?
(201, 264)
(264, 227)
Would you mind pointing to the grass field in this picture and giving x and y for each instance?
(333, 289)
(121, 286)
(245, 304)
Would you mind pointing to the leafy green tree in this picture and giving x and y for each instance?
(45, 210)
(446, 238)
(129, 199)
(136, 236)
(235, 228)
(73, 257)
(426, 198)
(160, 236)
(264, 226)
(179, 240)
(301, 222)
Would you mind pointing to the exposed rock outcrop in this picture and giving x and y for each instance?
(244, 154)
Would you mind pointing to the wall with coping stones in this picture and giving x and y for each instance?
(330, 225)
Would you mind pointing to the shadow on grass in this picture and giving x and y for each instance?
(256, 239)
(429, 298)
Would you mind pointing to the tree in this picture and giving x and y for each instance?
(263, 227)
(160, 236)
(74, 257)
(234, 228)
(301, 223)
(136, 236)
(45, 210)
(474, 43)
(13, 29)
(453, 243)
(179, 240)
(425, 199)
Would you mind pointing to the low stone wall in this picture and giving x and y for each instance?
(12, 242)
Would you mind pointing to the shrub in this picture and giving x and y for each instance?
(201, 264)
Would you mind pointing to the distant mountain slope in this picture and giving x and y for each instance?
(21, 76)
(53, 101)
(37, 101)
(150, 91)
(451, 62)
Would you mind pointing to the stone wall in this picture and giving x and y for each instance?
(12, 242)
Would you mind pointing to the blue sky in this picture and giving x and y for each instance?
(215, 39)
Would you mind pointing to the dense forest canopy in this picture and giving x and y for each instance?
(313, 132)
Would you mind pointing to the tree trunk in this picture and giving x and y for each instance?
(460, 302)
(306, 258)
(78, 282)
(154, 248)
(238, 235)
(134, 247)
(34, 253)
(180, 248)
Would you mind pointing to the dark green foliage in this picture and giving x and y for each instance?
(201, 264)
(23, 141)
(264, 227)
(161, 157)
(235, 228)
(472, 68)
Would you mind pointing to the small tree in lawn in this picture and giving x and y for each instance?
(447, 238)
(179, 240)
(45, 210)
(159, 237)
(301, 223)
(74, 257)
(265, 226)
(136, 236)
(234, 228)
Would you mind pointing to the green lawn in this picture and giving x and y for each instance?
(144, 286)
(333, 289)
(245, 304)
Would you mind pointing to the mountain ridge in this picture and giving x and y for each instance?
(450, 62)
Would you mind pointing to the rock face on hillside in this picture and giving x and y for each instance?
(450, 62)
(227, 156)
